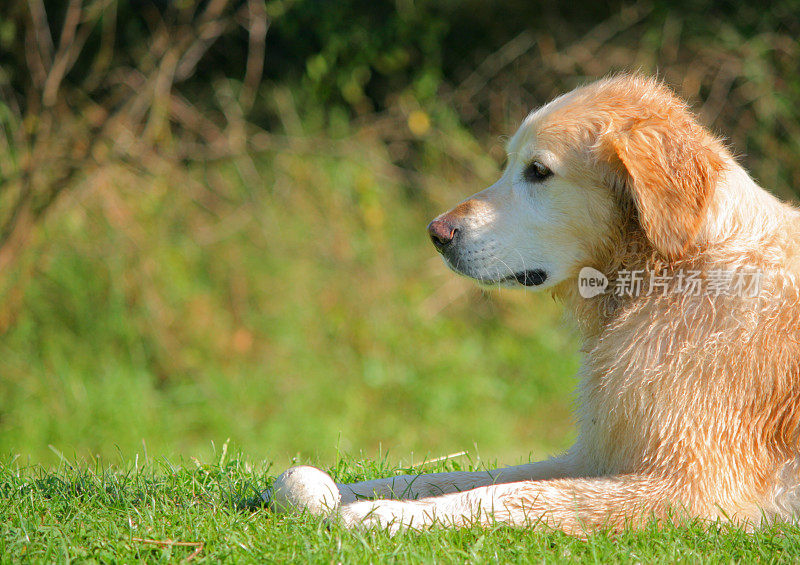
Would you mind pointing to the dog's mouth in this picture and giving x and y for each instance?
(531, 277)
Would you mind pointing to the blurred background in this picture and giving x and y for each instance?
(212, 214)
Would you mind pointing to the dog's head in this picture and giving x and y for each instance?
(620, 152)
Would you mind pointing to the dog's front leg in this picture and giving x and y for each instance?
(576, 506)
(308, 488)
(435, 484)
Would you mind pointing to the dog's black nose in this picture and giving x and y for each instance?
(442, 233)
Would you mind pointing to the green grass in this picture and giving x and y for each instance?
(90, 512)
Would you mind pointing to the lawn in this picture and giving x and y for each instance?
(161, 511)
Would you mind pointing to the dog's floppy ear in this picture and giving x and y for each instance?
(672, 167)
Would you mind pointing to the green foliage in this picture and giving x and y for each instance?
(268, 279)
(312, 316)
(358, 53)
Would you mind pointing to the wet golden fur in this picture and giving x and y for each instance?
(689, 405)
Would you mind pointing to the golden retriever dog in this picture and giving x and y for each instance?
(682, 274)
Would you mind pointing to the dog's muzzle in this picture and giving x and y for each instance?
(444, 235)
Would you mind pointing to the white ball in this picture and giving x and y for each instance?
(304, 488)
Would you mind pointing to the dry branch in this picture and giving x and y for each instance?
(198, 545)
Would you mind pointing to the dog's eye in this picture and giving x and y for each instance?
(536, 172)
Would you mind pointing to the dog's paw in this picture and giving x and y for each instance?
(303, 488)
(390, 515)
